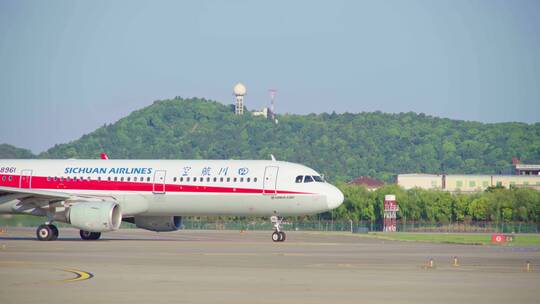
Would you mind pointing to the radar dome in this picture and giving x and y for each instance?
(239, 89)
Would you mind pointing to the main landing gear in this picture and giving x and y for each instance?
(47, 232)
(278, 235)
(87, 235)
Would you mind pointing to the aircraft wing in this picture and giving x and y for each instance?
(30, 198)
(23, 194)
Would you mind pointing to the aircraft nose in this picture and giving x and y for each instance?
(334, 197)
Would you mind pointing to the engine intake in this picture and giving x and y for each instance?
(95, 216)
(159, 223)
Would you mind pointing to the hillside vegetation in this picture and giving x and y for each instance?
(9, 151)
(341, 146)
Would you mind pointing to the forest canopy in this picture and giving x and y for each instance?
(341, 146)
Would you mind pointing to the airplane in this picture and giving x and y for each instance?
(95, 196)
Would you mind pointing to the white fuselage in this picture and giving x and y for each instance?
(178, 187)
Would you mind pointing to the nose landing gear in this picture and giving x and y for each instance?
(278, 235)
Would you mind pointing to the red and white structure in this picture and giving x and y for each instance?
(390, 213)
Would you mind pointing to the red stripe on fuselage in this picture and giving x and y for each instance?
(40, 182)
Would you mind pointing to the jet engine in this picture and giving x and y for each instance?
(95, 216)
(158, 223)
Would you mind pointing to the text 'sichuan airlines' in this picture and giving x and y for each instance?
(95, 196)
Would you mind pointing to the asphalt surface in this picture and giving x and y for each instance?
(136, 266)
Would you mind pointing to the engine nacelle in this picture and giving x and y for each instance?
(95, 216)
(159, 223)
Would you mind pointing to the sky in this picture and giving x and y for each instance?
(69, 67)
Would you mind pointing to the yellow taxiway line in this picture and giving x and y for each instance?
(80, 275)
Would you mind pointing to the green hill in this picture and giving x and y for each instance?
(341, 146)
(9, 151)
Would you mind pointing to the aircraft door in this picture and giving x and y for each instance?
(25, 180)
(159, 182)
(270, 180)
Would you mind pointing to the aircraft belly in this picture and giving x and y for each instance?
(233, 204)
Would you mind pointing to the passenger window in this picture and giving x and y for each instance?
(148, 179)
(221, 179)
(228, 179)
(115, 178)
(99, 178)
(299, 178)
(128, 179)
(208, 179)
(235, 179)
(308, 179)
(122, 179)
(241, 179)
(248, 179)
(174, 179)
(108, 178)
(254, 179)
(4, 178)
(48, 178)
(215, 179)
(181, 179)
(10, 178)
(201, 179)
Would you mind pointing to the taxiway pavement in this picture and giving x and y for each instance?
(136, 266)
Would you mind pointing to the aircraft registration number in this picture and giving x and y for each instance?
(7, 169)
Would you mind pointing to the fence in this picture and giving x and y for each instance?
(311, 225)
(477, 227)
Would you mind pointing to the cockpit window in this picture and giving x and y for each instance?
(317, 178)
(299, 178)
(308, 179)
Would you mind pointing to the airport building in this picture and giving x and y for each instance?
(466, 182)
(524, 176)
(524, 169)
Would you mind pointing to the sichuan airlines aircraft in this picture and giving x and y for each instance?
(95, 196)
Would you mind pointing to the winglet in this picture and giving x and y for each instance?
(104, 156)
(272, 156)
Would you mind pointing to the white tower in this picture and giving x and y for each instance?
(239, 92)
(272, 99)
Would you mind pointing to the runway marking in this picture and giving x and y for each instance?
(292, 254)
(80, 275)
(229, 254)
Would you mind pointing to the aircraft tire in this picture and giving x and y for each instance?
(54, 232)
(282, 236)
(87, 235)
(276, 237)
(44, 233)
